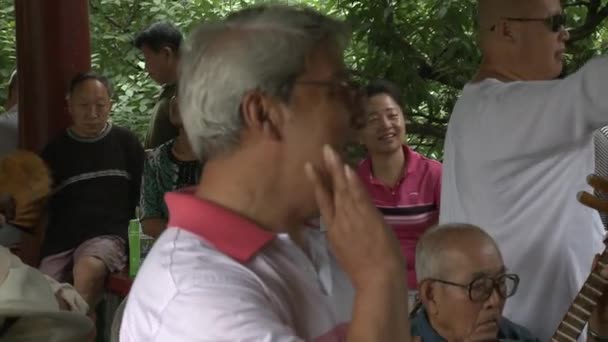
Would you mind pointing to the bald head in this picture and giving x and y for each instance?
(438, 243)
(521, 39)
(491, 12)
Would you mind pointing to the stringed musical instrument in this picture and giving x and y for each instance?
(595, 286)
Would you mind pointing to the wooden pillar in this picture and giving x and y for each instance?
(53, 45)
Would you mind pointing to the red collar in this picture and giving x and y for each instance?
(228, 232)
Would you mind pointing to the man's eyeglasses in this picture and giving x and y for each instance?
(352, 81)
(555, 23)
(480, 289)
(351, 87)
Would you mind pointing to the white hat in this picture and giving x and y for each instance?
(26, 295)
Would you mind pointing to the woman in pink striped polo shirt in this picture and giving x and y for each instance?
(404, 185)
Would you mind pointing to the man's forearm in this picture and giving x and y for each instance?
(380, 312)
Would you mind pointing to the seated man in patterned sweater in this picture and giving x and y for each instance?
(96, 169)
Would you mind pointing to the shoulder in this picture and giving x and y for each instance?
(159, 155)
(186, 285)
(56, 144)
(511, 330)
(433, 166)
(363, 167)
(126, 138)
(194, 264)
(123, 132)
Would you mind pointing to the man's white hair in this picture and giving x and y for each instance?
(260, 48)
(430, 249)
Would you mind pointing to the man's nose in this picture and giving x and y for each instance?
(495, 298)
(92, 112)
(384, 121)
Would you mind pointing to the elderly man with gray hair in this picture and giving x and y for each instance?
(463, 285)
(266, 100)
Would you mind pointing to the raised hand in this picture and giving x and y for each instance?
(367, 251)
(360, 239)
(599, 184)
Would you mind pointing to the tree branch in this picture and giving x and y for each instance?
(595, 17)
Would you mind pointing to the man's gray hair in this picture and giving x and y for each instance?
(260, 48)
(436, 241)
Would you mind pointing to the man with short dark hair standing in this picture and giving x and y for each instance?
(160, 45)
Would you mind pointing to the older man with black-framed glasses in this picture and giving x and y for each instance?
(464, 284)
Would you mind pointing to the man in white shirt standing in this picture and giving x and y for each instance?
(519, 146)
(263, 96)
(9, 121)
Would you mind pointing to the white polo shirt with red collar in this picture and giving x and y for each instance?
(216, 276)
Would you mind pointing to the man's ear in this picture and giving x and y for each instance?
(167, 51)
(261, 115)
(426, 292)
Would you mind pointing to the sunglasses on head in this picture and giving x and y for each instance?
(555, 23)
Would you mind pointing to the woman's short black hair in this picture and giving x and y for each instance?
(158, 36)
(89, 75)
(384, 87)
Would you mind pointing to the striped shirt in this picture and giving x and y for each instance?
(411, 206)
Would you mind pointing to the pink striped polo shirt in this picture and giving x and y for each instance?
(216, 276)
(411, 206)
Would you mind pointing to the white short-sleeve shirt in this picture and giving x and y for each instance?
(516, 155)
(215, 276)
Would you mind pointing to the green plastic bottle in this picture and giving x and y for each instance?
(134, 247)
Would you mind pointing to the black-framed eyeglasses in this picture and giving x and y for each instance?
(555, 23)
(480, 289)
(350, 86)
(353, 81)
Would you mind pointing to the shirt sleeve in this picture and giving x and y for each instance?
(151, 198)
(540, 116)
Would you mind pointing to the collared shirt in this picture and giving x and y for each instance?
(216, 276)
(516, 154)
(420, 326)
(411, 206)
(9, 131)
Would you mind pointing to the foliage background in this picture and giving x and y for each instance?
(427, 47)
